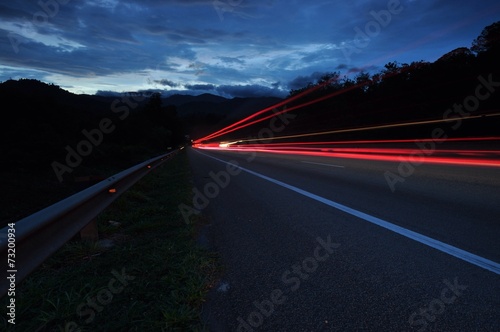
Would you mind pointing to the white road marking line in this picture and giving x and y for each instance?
(441, 246)
(331, 165)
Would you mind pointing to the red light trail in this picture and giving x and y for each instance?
(469, 157)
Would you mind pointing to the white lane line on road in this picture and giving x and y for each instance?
(331, 165)
(441, 246)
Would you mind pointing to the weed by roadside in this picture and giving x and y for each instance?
(146, 274)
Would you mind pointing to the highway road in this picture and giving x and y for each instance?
(313, 243)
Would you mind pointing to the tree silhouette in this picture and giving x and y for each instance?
(461, 56)
(363, 81)
(489, 39)
(403, 92)
(487, 47)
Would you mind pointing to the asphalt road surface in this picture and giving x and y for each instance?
(325, 244)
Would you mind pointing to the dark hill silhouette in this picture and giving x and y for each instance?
(204, 117)
(43, 119)
(179, 99)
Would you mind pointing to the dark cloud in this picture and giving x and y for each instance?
(302, 81)
(146, 93)
(105, 93)
(354, 70)
(197, 87)
(166, 82)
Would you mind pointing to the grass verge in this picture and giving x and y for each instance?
(148, 274)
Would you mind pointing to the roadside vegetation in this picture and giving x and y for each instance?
(147, 273)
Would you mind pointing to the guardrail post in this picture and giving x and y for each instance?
(89, 232)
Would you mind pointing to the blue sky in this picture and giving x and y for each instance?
(226, 47)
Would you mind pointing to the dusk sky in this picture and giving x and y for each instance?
(227, 47)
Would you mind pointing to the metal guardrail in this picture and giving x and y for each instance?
(41, 234)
